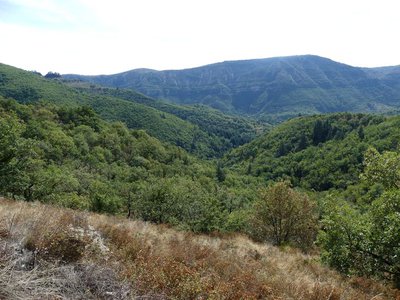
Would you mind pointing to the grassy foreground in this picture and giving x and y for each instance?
(52, 253)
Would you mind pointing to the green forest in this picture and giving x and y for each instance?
(327, 183)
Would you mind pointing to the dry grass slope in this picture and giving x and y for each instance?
(52, 253)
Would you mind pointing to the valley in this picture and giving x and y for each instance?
(204, 182)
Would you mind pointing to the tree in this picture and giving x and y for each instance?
(51, 75)
(302, 142)
(367, 241)
(19, 161)
(323, 131)
(360, 132)
(220, 173)
(284, 216)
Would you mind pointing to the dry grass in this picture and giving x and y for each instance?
(49, 253)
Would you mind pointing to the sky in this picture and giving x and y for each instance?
(106, 37)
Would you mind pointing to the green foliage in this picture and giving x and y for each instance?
(220, 173)
(383, 168)
(224, 131)
(284, 216)
(366, 240)
(343, 231)
(318, 152)
(179, 201)
(198, 130)
(69, 156)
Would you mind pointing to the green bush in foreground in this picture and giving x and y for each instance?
(366, 241)
(283, 215)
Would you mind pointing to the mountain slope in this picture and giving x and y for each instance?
(28, 87)
(316, 152)
(277, 88)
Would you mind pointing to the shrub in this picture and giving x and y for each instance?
(284, 216)
(57, 239)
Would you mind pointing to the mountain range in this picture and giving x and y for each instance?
(274, 89)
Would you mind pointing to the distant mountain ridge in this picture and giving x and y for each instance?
(277, 88)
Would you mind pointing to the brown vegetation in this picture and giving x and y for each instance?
(52, 253)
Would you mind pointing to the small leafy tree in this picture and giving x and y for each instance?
(283, 215)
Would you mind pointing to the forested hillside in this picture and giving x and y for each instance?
(319, 152)
(358, 187)
(135, 110)
(274, 89)
(69, 156)
(233, 130)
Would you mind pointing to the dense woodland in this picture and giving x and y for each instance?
(71, 157)
(327, 183)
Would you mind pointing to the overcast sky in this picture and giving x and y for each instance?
(105, 37)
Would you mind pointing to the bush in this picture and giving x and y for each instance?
(181, 202)
(284, 216)
(364, 243)
(59, 240)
